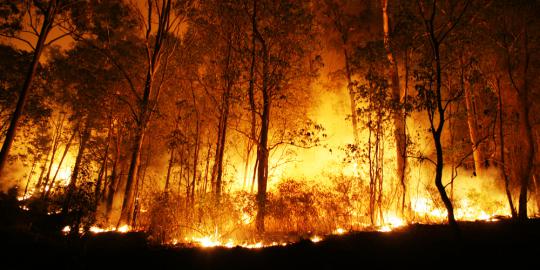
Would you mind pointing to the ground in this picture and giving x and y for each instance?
(481, 244)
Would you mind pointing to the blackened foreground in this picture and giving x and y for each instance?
(420, 246)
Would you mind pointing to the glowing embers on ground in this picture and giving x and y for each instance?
(96, 229)
(121, 229)
(425, 210)
(212, 241)
(392, 222)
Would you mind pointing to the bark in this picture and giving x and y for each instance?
(48, 19)
(399, 116)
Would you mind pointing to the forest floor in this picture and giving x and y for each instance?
(479, 245)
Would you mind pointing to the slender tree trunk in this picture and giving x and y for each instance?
(437, 138)
(56, 143)
(224, 116)
(437, 125)
(29, 178)
(66, 150)
(262, 147)
(197, 146)
(527, 145)
(127, 204)
(472, 123)
(85, 136)
(399, 119)
(169, 169)
(146, 106)
(503, 163)
(103, 168)
(113, 184)
(352, 98)
(251, 95)
(48, 19)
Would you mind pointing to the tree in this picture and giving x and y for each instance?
(45, 14)
(399, 114)
(282, 30)
(431, 96)
(157, 47)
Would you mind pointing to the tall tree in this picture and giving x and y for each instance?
(45, 13)
(434, 103)
(399, 114)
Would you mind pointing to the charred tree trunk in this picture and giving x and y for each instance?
(436, 109)
(48, 20)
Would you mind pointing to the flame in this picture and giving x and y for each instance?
(315, 239)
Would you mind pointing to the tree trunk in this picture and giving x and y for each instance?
(169, 169)
(66, 150)
(437, 132)
(262, 147)
(48, 19)
(103, 168)
(251, 95)
(197, 146)
(146, 107)
(85, 136)
(352, 98)
(527, 145)
(503, 163)
(472, 123)
(399, 116)
(56, 142)
(224, 116)
(113, 184)
(127, 203)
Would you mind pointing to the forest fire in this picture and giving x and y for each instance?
(218, 124)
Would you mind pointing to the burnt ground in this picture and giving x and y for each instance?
(482, 245)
